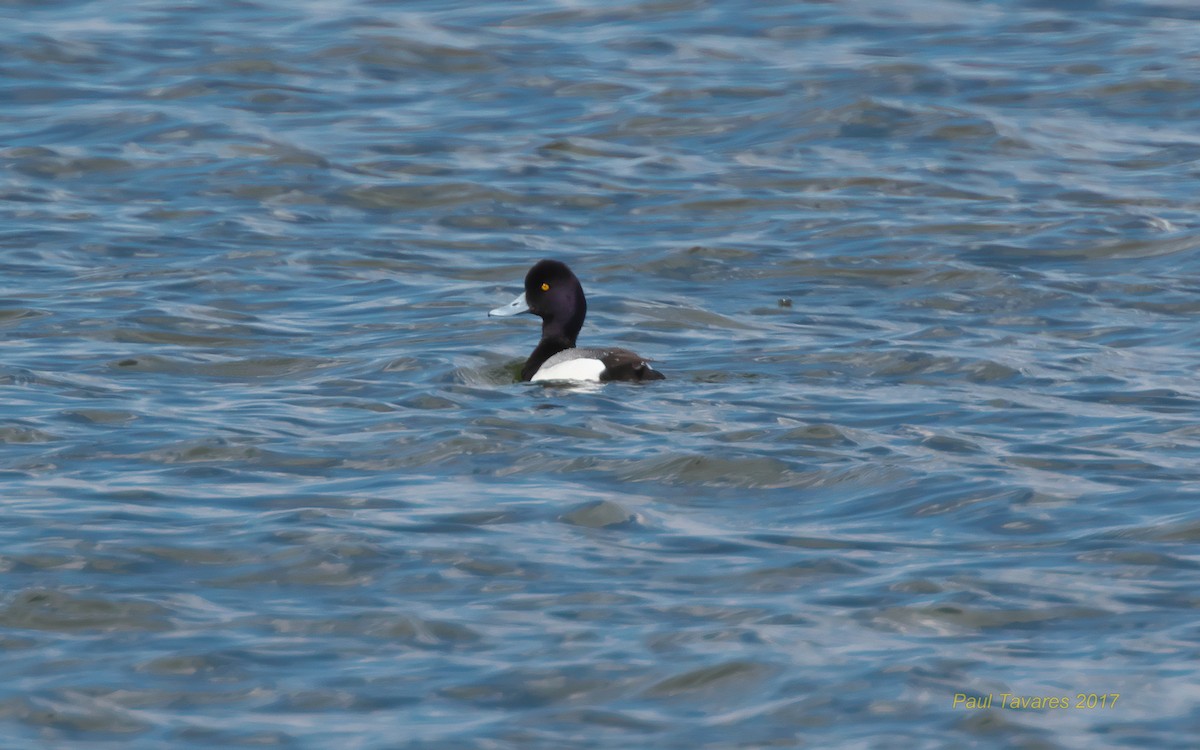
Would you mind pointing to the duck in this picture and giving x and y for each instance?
(554, 294)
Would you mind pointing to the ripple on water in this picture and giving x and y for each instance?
(59, 611)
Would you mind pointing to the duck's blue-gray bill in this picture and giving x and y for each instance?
(516, 307)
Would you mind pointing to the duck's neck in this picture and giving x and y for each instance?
(552, 343)
(558, 333)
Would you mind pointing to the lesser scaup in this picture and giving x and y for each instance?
(554, 294)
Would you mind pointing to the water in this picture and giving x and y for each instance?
(922, 276)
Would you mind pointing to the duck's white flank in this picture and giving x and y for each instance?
(580, 368)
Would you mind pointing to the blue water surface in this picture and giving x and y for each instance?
(923, 276)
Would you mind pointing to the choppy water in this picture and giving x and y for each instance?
(923, 277)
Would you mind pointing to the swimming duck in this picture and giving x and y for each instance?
(553, 293)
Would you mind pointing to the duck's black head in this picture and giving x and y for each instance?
(553, 294)
(556, 296)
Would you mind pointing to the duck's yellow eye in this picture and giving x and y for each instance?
(545, 287)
